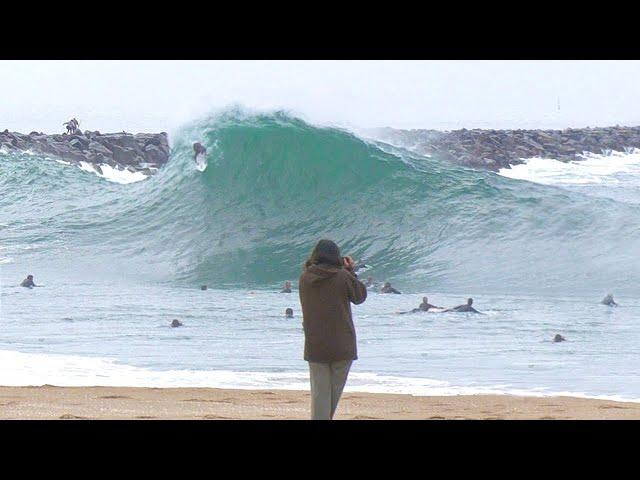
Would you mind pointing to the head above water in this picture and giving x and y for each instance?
(287, 284)
(29, 277)
(425, 300)
(289, 312)
(469, 301)
(387, 284)
(326, 252)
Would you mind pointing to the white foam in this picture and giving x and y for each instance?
(592, 169)
(113, 174)
(35, 369)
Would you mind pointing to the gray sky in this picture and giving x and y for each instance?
(161, 95)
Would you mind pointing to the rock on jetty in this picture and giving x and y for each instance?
(496, 149)
(142, 152)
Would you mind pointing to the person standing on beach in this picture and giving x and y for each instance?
(327, 287)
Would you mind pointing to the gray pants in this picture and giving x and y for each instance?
(327, 383)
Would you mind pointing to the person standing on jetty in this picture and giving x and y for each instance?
(327, 287)
(72, 126)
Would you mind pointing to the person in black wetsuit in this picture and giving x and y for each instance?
(387, 288)
(424, 306)
(288, 313)
(28, 282)
(287, 288)
(464, 308)
(198, 149)
(608, 300)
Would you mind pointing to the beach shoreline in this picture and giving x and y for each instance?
(138, 403)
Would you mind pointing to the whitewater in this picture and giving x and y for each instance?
(537, 246)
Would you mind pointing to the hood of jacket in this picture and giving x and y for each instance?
(319, 273)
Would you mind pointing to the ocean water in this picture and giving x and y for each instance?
(537, 247)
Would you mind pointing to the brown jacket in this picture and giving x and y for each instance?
(326, 294)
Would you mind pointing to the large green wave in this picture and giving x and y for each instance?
(276, 184)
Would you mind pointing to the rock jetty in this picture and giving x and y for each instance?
(496, 149)
(142, 152)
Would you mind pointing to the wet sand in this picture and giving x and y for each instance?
(48, 402)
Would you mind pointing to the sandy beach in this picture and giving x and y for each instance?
(49, 402)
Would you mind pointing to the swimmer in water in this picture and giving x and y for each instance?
(558, 338)
(387, 288)
(176, 323)
(464, 308)
(288, 313)
(287, 288)
(28, 282)
(608, 300)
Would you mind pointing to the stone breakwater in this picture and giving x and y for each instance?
(496, 149)
(142, 152)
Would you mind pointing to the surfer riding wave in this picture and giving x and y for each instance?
(200, 156)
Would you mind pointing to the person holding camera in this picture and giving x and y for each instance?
(328, 286)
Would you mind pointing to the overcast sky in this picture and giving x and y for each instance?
(162, 95)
